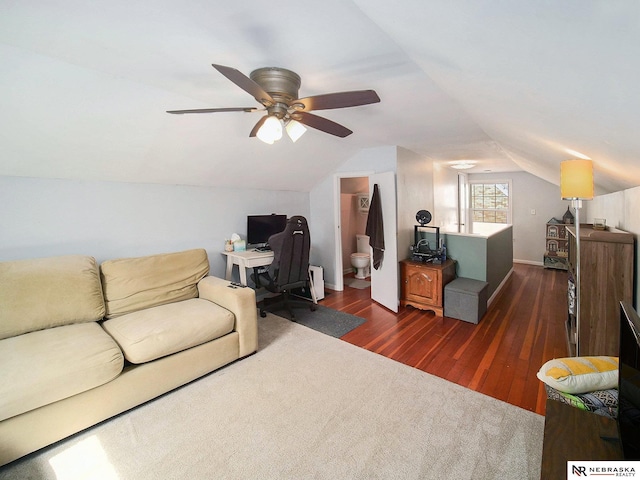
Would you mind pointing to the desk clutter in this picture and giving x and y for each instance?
(288, 247)
(235, 244)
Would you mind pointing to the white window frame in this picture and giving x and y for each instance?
(509, 210)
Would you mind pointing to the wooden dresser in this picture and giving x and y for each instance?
(422, 284)
(606, 278)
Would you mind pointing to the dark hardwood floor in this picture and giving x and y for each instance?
(522, 329)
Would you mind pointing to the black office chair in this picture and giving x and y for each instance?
(290, 267)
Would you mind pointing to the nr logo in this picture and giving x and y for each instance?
(578, 470)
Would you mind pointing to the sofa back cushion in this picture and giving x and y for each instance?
(49, 292)
(132, 284)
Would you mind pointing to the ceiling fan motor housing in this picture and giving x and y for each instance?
(281, 84)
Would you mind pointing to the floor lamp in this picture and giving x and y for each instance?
(576, 184)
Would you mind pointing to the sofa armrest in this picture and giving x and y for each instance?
(241, 302)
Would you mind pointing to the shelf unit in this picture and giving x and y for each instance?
(606, 278)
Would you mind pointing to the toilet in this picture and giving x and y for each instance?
(361, 260)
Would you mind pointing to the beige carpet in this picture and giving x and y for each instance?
(305, 406)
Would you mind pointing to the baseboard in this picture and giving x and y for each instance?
(529, 262)
(502, 284)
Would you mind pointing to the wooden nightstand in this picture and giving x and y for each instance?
(423, 284)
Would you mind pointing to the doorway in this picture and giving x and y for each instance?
(354, 208)
(384, 279)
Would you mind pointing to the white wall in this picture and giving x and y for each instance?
(445, 197)
(324, 206)
(620, 209)
(414, 180)
(529, 193)
(42, 217)
(611, 207)
(415, 192)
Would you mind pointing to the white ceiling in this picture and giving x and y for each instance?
(511, 85)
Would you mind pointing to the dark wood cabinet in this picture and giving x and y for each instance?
(422, 284)
(606, 278)
(574, 434)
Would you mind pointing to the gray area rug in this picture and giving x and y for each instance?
(357, 283)
(326, 320)
(304, 406)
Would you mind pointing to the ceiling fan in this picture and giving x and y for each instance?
(277, 90)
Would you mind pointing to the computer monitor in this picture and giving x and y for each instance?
(261, 227)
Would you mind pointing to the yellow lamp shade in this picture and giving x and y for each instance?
(576, 179)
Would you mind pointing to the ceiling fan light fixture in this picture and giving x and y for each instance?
(270, 131)
(295, 130)
(462, 164)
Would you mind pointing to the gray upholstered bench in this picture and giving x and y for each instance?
(465, 299)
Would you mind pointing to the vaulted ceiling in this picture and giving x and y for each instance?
(511, 85)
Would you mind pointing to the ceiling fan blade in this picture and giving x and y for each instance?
(321, 123)
(257, 126)
(214, 110)
(337, 100)
(245, 83)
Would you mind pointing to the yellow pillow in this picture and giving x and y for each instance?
(580, 374)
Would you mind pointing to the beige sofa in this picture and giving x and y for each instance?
(80, 344)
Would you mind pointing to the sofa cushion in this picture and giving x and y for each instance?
(133, 284)
(48, 292)
(42, 367)
(580, 374)
(166, 329)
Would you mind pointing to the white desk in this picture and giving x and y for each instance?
(251, 259)
(244, 260)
